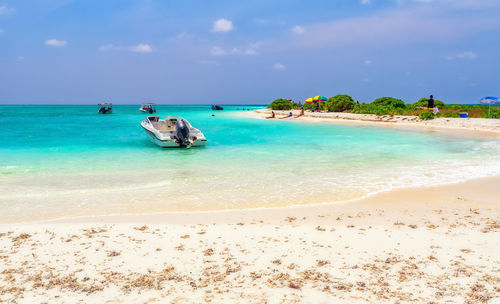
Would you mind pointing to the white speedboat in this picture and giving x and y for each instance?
(148, 108)
(172, 132)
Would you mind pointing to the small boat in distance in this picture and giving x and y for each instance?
(148, 108)
(105, 108)
(172, 132)
(217, 108)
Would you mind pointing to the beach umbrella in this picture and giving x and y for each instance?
(319, 98)
(309, 100)
(489, 101)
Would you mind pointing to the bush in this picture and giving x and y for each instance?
(426, 115)
(313, 106)
(389, 101)
(424, 101)
(340, 103)
(282, 104)
(494, 113)
(449, 114)
(376, 109)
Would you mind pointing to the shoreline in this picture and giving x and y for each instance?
(203, 215)
(226, 214)
(469, 125)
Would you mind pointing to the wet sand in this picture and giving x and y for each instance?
(426, 245)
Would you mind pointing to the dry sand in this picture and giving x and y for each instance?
(463, 124)
(422, 245)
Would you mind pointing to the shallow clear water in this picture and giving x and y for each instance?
(64, 161)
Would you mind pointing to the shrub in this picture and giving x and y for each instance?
(426, 115)
(312, 106)
(424, 101)
(389, 101)
(494, 113)
(340, 103)
(449, 114)
(282, 104)
(376, 109)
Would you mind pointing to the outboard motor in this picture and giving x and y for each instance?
(183, 133)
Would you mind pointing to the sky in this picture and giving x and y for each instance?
(247, 52)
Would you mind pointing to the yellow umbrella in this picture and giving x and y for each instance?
(309, 100)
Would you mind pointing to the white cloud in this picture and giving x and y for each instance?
(365, 2)
(275, 21)
(250, 50)
(463, 55)
(299, 30)
(141, 48)
(456, 4)
(217, 51)
(223, 25)
(368, 62)
(393, 27)
(55, 42)
(467, 55)
(4, 9)
(279, 66)
(183, 36)
(1, 31)
(20, 58)
(106, 47)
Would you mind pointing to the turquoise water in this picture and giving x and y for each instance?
(65, 161)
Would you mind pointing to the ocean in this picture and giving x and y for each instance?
(69, 161)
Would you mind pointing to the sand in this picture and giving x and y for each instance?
(474, 125)
(425, 245)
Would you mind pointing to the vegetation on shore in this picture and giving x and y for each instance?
(390, 106)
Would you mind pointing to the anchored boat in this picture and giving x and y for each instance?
(172, 132)
(105, 108)
(148, 108)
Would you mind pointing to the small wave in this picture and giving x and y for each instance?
(89, 190)
(8, 167)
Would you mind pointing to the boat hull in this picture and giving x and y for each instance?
(170, 143)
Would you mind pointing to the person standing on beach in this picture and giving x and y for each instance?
(430, 102)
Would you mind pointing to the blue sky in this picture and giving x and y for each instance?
(83, 52)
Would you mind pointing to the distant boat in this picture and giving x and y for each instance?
(148, 108)
(217, 108)
(105, 108)
(172, 132)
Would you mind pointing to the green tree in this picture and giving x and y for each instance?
(340, 103)
(282, 104)
(426, 115)
(423, 103)
(389, 101)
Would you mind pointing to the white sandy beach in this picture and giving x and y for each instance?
(476, 125)
(425, 245)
